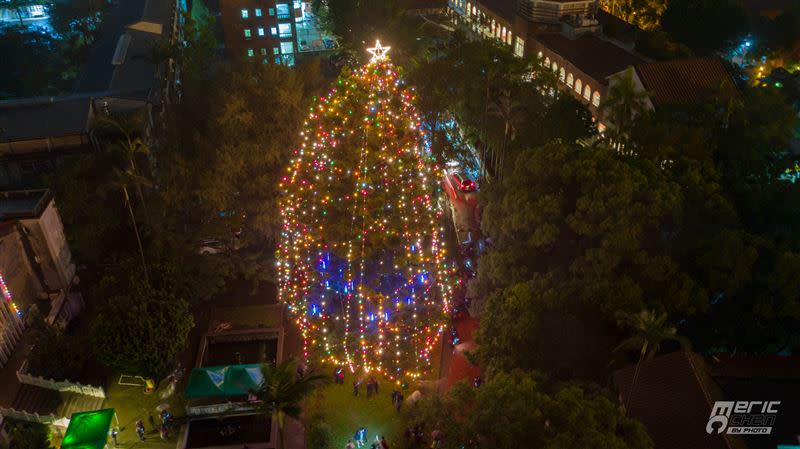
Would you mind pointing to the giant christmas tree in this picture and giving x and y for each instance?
(361, 259)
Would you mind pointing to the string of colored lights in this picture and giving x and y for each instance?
(361, 264)
(7, 294)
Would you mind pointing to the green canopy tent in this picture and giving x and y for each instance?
(88, 430)
(223, 381)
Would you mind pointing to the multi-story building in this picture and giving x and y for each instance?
(512, 21)
(271, 31)
(36, 265)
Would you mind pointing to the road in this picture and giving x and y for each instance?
(466, 219)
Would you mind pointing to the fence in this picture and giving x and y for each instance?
(25, 416)
(58, 385)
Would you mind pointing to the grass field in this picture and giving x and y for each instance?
(346, 413)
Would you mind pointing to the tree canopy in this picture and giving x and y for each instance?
(141, 327)
(520, 406)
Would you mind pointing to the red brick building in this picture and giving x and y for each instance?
(260, 29)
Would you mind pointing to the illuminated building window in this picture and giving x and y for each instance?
(596, 99)
(562, 75)
(578, 86)
(258, 12)
(247, 33)
(587, 92)
(283, 10)
(250, 52)
(260, 32)
(285, 29)
(263, 52)
(271, 12)
(570, 80)
(287, 48)
(245, 14)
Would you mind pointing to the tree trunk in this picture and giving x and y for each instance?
(281, 421)
(635, 375)
(136, 231)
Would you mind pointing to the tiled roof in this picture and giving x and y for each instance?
(685, 81)
(594, 56)
(671, 399)
(32, 119)
(760, 367)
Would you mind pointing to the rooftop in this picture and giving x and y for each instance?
(507, 9)
(672, 398)
(685, 81)
(594, 56)
(17, 204)
(43, 117)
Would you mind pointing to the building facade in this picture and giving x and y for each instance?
(271, 31)
(512, 21)
(36, 267)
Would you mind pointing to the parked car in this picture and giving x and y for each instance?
(462, 182)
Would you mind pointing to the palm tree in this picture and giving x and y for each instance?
(130, 146)
(282, 391)
(649, 330)
(509, 111)
(622, 104)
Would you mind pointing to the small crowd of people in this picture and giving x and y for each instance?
(371, 386)
(360, 439)
(415, 437)
(166, 424)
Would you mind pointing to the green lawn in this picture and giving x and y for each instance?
(346, 413)
(131, 404)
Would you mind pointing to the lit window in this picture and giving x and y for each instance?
(258, 12)
(283, 10)
(578, 86)
(260, 32)
(271, 12)
(277, 60)
(587, 92)
(519, 47)
(273, 31)
(509, 38)
(504, 33)
(276, 50)
(555, 67)
(562, 74)
(247, 33)
(245, 14)
(263, 52)
(547, 61)
(469, 9)
(285, 29)
(540, 55)
(596, 99)
(250, 52)
(287, 48)
(570, 80)
(297, 5)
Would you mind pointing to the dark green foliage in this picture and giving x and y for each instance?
(35, 64)
(140, 328)
(513, 407)
(56, 355)
(24, 435)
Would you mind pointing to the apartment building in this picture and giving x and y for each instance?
(271, 31)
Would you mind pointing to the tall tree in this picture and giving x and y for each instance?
(142, 326)
(283, 392)
(621, 105)
(510, 408)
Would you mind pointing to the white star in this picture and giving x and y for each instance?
(378, 52)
